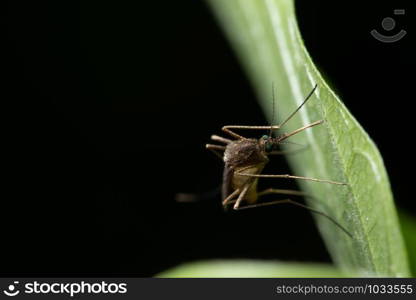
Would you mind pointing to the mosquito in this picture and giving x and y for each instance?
(245, 158)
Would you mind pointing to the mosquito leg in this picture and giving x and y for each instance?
(197, 197)
(228, 130)
(290, 177)
(265, 204)
(282, 192)
(285, 152)
(220, 139)
(290, 151)
(215, 148)
(276, 191)
(285, 192)
(286, 135)
(230, 197)
(232, 133)
(241, 196)
(289, 201)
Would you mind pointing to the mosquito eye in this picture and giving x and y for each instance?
(269, 147)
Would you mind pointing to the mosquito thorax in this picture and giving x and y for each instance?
(244, 151)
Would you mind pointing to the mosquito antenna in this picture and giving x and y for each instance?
(273, 98)
(300, 106)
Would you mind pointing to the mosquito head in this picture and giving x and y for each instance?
(268, 143)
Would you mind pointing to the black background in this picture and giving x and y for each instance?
(107, 107)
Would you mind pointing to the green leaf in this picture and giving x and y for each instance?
(408, 224)
(265, 35)
(251, 268)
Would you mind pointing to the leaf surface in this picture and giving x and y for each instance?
(250, 268)
(265, 36)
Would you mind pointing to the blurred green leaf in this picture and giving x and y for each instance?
(265, 35)
(408, 224)
(251, 268)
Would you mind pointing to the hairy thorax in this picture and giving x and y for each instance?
(244, 152)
